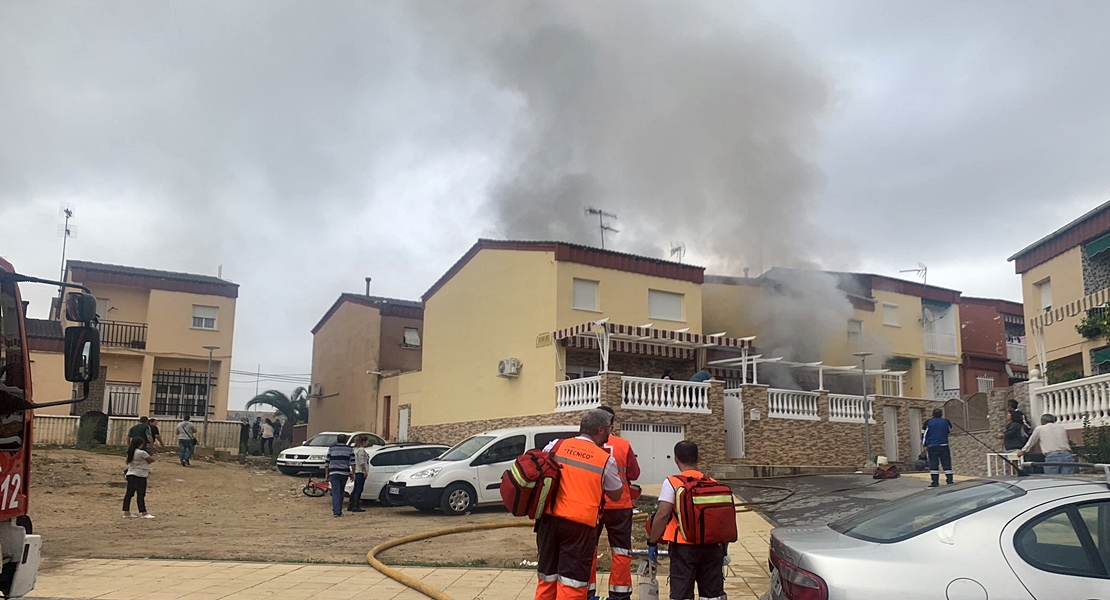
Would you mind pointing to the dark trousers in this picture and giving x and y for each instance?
(136, 486)
(185, 450)
(356, 493)
(243, 445)
(940, 456)
(337, 481)
(703, 565)
(269, 441)
(566, 553)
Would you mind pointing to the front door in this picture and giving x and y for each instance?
(915, 432)
(493, 463)
(890, 432)
(734, 424)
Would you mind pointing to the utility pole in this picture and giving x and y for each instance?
(208, 390)
(257, 375)
(866, 408)
(601, 216)
(66, 232)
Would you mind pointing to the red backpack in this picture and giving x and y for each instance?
(705, 510)
(529, 486)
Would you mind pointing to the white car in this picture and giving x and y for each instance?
(387, 460)
(309, 457)
(469, 474)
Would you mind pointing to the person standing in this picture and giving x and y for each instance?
(257, 429)
(934, 437)
(244, 436)
(277, 428)
(142, 431)
(1012, 409)
(616, 519)
(138, 470)
(337, 470)
(186, 441)
(567, 532)
(155, 435)
(267, 436)
(1053, 439)
(1013, 438)
(690, 563)
(362, 471)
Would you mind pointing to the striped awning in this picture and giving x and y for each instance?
(651, 336)
(633, 348)
(1077, 308)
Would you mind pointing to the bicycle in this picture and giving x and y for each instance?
(316, 489)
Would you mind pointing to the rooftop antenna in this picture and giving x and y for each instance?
(678, 248)
(66, 231)
(921, 271)
(601, 216)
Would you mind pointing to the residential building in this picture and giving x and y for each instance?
(155, 331)
(992, 339)
(358, 341)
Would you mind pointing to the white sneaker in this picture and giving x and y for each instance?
(146, 516)
(129, 516)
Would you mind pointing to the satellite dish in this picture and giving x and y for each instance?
(929, 316)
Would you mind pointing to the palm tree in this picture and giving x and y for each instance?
(293, 407)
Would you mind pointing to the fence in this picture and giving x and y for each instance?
(62, 430)
(664, 395)
(847, 409)
(1072, 400)
(578, 394)
(791, 404)
(940, 343)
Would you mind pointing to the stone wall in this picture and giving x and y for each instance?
(969, 455)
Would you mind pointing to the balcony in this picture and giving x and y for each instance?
(1017, 354)
(123, 334)
(943, 344)
(637, 393)
(122, 399)
(1072, 401)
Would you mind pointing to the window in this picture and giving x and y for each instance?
(543, 439)
(422, 454)
(585, 294)
(665, 305)
(204, 317)
(180, 393)
(390, 459)
(504, 451)
(986, 384)
(1045, 289)
(412, 338)
(1062, 541)
(103, 305)
(890, 314)
(855, 328)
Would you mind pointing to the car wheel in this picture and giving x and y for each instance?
(384, 498)
(458, 499)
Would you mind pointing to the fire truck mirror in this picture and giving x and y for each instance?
(82, 354)
(81, 307)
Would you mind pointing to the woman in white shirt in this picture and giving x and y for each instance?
(267, 437)
(138, 470)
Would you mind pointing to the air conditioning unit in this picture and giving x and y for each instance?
(509, 367)
(316, 390)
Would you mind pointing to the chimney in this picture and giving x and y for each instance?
(746, 269)
(368, 286)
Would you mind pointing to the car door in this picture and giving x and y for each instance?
(382, 466)
(493, 462)
(1064, 545)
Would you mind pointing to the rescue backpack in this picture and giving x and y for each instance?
(530, 485)
(705, 510)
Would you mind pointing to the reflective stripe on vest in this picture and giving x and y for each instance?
(619, 448)
(579, 495)
(673, 533)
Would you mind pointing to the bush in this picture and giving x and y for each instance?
(1096, 442)
(86, 434)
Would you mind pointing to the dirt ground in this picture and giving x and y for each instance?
(218, 510)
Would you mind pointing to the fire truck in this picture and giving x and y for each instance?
(19, 546)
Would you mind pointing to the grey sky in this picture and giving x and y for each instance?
(304, 147)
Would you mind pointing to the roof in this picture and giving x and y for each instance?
(861, 285)
(1091, 224)
(585, 255)
(90, 272)
(388, 307)
(45, 335)
(1015, 308)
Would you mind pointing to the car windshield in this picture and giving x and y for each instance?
(322, 439)
(467, 448)
(916, 514)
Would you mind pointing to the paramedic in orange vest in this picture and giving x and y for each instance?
(616, 518)
(689, 563)
(567, 533)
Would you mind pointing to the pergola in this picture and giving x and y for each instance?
(645, 340)
(822, 369)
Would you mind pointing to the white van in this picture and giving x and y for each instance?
(469, 474)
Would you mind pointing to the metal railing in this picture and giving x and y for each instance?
(1072, 400)
(1017, 353)
(62, 430)
(940, 343)
(122, 399)
(578, 394)
(639, 393)
(122, 333)
(848, 409)
(792, 404)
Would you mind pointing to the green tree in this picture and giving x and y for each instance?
(293, 407)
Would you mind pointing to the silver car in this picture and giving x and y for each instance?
(1036, 537)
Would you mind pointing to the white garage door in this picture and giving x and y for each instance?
(654, 448)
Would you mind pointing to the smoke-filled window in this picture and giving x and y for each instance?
(585, 294)
(890, 314)
(855, 328)
(665, 305)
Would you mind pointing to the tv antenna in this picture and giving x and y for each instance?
(66, 231)
(601, 216)
(921, 271)
(678, 248)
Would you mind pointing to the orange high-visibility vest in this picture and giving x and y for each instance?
(580, 491)
(673, 533)
(620, 449)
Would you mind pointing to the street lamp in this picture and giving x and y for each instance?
(208, 390)
(866, 407)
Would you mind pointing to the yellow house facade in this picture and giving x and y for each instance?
(156, 328)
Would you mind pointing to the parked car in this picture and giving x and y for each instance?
(1042, 536)
(309, 457)
(469, 474)
(389, 459)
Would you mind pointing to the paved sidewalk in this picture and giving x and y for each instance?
(220, 580)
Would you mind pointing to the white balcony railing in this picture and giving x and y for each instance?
(1017, 354)
(1071, 400)
(578, 394)
(847, 409)
(940, 343)
(639, 393)
(946, 395)
(792, 404)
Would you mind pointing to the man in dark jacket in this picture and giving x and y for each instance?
(934, 437)
(244, 435)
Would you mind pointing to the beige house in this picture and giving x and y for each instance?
(359, 341)
(155, 331)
